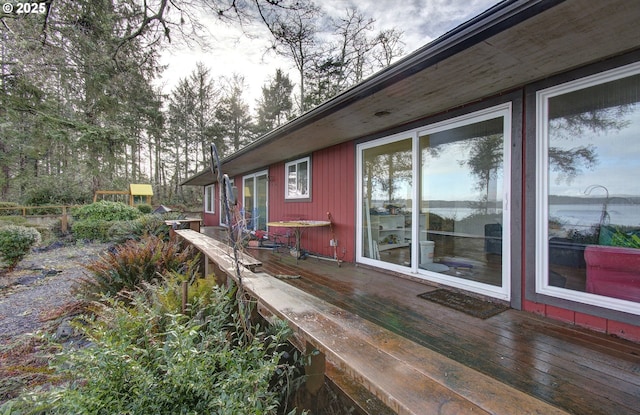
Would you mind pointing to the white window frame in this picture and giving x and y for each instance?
(210, 198)
(289, 196)
(542, 192)
(503, 292)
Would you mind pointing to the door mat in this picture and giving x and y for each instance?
(461, 302)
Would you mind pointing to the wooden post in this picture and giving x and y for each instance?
(314, 370)
(185, 296)
(64, 220)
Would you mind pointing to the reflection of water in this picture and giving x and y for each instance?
(588, 215)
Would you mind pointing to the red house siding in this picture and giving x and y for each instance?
(332, 190)
(615, 328)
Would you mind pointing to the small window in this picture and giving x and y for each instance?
(209, 199)
(298, 178)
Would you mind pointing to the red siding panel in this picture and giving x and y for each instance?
(625, 331)
(561, 314)
(591, 322)
(332, 190)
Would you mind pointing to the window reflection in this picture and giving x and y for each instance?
(387, 189)
(461, 202)
(593, 191)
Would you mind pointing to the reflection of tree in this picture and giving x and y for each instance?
(597, 121)
(386, 171)
(484, 161)
(569, 162)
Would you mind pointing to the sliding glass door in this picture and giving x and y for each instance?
(433, 202)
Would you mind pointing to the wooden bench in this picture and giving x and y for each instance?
(194, 223)
(217, 252)
(408, 378)
(404, 376)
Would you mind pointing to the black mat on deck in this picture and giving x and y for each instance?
(461, 302)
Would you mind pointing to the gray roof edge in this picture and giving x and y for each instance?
(493, 20)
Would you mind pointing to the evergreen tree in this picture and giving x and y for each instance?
(275, 105)
(234, 123)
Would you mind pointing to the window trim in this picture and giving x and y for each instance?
(210, 199)
(541, 265)
(287, 196)
(502, 109)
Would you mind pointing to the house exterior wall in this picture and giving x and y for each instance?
(332, 190)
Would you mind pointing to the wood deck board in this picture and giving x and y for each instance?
(205, 244)
(408, 377)
(548, 381)
(555, 374)
(576, 369)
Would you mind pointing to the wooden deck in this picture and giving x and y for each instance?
(572, 369)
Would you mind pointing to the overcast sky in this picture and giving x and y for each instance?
(421, 21)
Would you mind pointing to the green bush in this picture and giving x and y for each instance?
(153, 224)
(145, 208)
(106, 211)
(92, 229)
(13, 220)
(15, 243)
(143, 360)
(56, 190)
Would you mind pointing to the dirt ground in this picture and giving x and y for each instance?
(31, 298)
(41, 283)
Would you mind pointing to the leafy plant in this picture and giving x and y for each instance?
(146, 361)
(627, 239)
(106, 211)
(128, 265)
(144, 208)
(15, 243)
(92, 229)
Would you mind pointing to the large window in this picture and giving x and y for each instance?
(588, 201)
(209, 199)
(433, 202)
(298, 179)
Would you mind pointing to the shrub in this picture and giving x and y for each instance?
(13, 220)
(107, 211)
(56, 190)
(91, 229)
(15, 243)
(144, 208)
(145, 361)
(128, 265)
(153, 224)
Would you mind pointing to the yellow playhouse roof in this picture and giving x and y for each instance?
(141, 189)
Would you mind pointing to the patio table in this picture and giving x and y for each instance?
(298, 227)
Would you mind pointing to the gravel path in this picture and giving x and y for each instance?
(40, 283)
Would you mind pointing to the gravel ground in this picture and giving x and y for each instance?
(40, 283)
